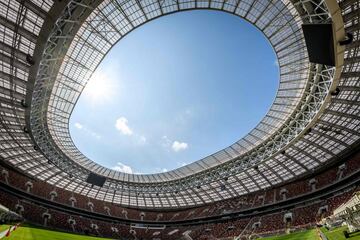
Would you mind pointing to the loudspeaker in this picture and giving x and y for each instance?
(95, 179)
(320, 43)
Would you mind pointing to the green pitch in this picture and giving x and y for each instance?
(33, 233)
(337, 234)
(304, 235)
(3, 227)
(30, 233)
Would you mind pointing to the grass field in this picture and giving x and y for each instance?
(304, 235)
(30, 233)
(3, 227)
(33, 233)
(337, 234)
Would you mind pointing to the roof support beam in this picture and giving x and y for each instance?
(295, 161)
(14, 62)
(21, 30)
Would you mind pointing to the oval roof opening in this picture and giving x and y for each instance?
(174, 91)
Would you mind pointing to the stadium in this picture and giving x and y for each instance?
(294, 176)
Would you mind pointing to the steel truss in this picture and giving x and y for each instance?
(314, 96)
(298, 145)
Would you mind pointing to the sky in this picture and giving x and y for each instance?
(175, 90)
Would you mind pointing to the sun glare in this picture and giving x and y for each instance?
(100, 88)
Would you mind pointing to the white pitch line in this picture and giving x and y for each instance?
(3, 233)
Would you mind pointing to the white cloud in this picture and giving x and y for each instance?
(165, 142)
(122, 125)
(142, 139)
(87, 131)
(179, 146)
(122, 168)
(176, 146)
(94, 134)
(184, 117)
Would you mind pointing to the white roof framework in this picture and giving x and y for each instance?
(112, 20)
(68, 40)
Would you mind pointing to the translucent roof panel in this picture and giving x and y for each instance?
(112, 20)
(304, 133)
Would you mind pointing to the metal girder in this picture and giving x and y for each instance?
(16, 52)
(353, 44)
(294, 160)
(351, 60)
(22, 31)
(353, 27)
(345, 3)
(318, 146)
(34, 8)
(14, 79)
(345, 101)
(282, 26)
(317, 89)
(123, 13)
(350, 75)
(355, 13)
(14, 62)
(332, 138)
(275, 173)
(335, 127)
(343, 114)
(160, 7)
(262, 175)
(141, 9)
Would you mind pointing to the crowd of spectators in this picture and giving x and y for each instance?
(279, 221)
(302, 216)
(287, 191)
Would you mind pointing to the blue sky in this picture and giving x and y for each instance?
(175, 90)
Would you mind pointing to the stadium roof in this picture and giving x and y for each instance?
(50, 49)
(111, 21)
